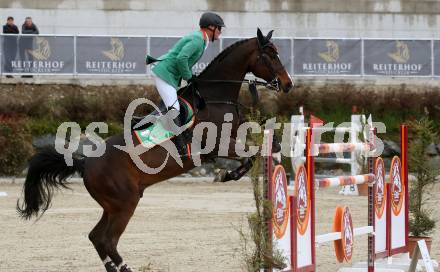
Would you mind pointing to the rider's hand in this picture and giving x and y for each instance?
(192, 79)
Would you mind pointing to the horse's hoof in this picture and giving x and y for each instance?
(125, 268)
(276, 145)
(110, 267)
(220, 177)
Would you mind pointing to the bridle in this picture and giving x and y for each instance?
(264, 57)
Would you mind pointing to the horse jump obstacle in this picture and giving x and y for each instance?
(292, 228)
(353, 147)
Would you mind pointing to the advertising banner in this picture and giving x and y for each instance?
(30, 54)
(327, 57)
(397, 57)
(111, 55)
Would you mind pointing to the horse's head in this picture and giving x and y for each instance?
(266, 64)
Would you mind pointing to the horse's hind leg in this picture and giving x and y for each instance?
(117, 222)
(97, 237)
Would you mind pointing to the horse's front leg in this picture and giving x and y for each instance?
(246, 163)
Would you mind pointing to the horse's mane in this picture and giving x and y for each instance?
(223, 54)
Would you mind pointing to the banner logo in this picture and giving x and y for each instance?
(302, 191)
(380, 189)
(401, 55)
(280, 198)
(332, 54)
(397, 186)
(348, 235)
(43, 51)
(343, 223)
(116, 53)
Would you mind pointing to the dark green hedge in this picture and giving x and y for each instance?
(15, 145)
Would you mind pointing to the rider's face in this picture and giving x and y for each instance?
(216, 32)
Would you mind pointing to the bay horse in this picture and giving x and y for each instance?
(115, 182)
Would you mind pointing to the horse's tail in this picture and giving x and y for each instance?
(47, 170)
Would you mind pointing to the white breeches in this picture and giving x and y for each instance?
(167, 92)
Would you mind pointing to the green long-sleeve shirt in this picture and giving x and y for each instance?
(178, 61)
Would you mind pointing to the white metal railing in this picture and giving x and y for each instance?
(356, 146)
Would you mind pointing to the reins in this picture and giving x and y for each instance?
(273, 85)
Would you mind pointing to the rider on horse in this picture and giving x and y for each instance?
(176, 65)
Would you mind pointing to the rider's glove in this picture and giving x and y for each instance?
(192, 79)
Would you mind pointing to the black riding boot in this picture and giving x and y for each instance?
(174, 125)
(180, 140)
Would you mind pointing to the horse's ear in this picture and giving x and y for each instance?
(260, 37)
(269, 35)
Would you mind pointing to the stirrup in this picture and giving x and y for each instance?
(182, 148)
(183, 152)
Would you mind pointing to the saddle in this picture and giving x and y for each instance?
(150, 132)
(144, 122)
